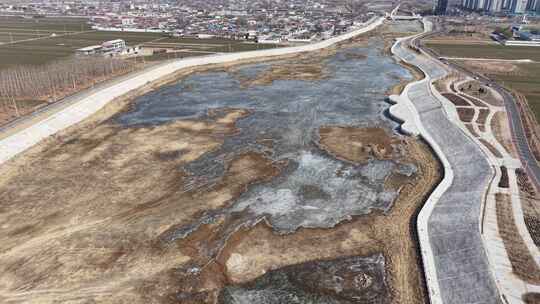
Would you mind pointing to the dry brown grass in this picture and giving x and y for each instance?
(523, 264)
(491, 148)
(447, 81)
(456, 100)
(488, 95)
(482, 116)
(501, 130)
(531, 298)
(531, 214)
(305, 70)
(531, 126)
(86, 211)
(466, 114)
(492, 67)
(358, 145)
(471, 129)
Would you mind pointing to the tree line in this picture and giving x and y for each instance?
(52, 81)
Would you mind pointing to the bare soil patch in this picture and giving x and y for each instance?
(493, 67)
(466, 114)
(106, 196)
(475, 89)
(358, 279)
(475, 102)
(503, 182)
(531, 126)
(531, 214)
(307, 70)
(471, 129)
(490, 147)
(523, 264)
(482, 116)
(358, 145)
(501, 129)
(456, 100)
(446, 84)
(524, 183)
(10, 111)
(531, 298)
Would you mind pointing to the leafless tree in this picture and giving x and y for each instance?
(52, 81)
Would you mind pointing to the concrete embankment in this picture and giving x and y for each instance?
(82, 109)
(455, 260)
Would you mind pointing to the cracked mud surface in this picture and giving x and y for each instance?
(240, 181)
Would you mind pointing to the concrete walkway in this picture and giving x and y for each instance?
(469, 245)
(455, 261)
(512, 287)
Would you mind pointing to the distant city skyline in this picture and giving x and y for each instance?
(510, 6)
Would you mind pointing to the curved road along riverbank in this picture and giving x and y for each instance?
(455, 260)
(525, 152)
(90, 104)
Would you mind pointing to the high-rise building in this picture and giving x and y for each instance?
(468, 4)
(495, 6)
(520, 6)
(513, 6)
(531, 5)
(440, 7)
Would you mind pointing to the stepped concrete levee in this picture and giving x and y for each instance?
(456, 264)
(80, 110)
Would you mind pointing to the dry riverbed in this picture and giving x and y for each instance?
(274, 182)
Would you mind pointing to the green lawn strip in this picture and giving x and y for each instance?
(57, 24)
(527, 84)
(486, 51)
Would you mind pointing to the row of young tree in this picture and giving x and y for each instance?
(52, 81)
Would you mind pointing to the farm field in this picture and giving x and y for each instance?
(527, 84)
(72, 34)
(56, 24)
(494, 51)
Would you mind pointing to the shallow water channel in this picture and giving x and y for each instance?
(315, 190)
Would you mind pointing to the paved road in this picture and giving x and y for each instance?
(462, 273)
(516, 124)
